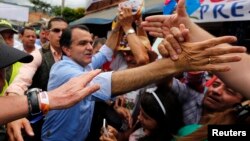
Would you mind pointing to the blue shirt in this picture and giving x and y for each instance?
(74, 123)
(38, 42)
(191, 101)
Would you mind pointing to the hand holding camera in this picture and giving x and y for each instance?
(135, 5)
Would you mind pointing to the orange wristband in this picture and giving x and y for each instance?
(44, 102)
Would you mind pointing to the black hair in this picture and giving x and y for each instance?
(56, 19)
(65, 40)
(169, 123)
(26, 28)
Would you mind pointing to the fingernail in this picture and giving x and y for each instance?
(174, 57)
(179, 51)
(31, 133)
(181, 39)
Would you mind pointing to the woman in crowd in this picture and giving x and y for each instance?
(159, 118)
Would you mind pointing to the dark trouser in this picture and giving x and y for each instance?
(37, 128)
(3, 133)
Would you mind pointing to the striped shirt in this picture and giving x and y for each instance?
(191, 101)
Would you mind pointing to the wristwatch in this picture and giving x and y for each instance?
(33, 103)
(130, 31)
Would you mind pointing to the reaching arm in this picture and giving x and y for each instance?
(63, 97)
(132, 79)
(237, 78)
(114, 38)
(25, 75)
(21, 108)
(193, 58)
(138, 49)
(159, 26)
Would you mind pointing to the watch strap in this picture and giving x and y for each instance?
(33, 103)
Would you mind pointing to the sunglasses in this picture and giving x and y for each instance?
(56, 30)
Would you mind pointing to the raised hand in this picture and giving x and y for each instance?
(73, 91)
(206, 55)
(122, 111)
(125, 18)
(180, 34)
(65, 96)
(112, 135)
(159, 25)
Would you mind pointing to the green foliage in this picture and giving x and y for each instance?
(41, 6)
(56, 10)
(68, 13)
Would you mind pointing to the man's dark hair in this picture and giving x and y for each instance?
(66, 40)
(56, 19)
(26, 28)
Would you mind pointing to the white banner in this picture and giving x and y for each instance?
(14, 12)
(222, 10)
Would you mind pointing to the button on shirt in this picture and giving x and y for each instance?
(74, 123)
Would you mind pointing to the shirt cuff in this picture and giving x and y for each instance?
(107, 52)
(104, 80)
